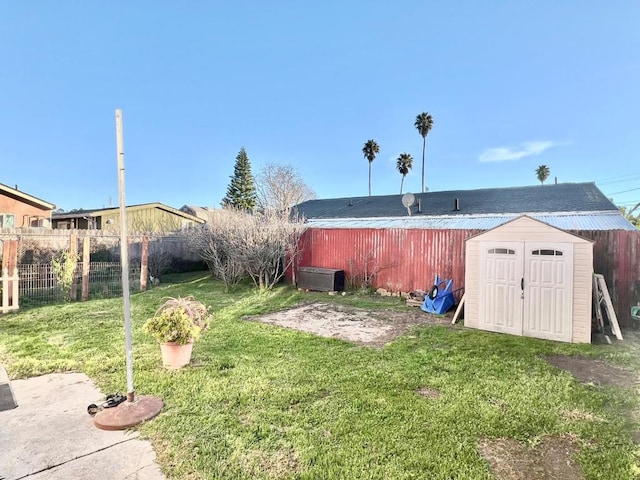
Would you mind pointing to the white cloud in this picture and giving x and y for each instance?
(527, 149)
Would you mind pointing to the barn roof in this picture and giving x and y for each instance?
(563, 197)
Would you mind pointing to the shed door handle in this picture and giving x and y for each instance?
(522, 284)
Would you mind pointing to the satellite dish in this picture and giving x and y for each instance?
(408, 199)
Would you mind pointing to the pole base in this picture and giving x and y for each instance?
(128, 414)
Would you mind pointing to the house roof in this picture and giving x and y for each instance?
(104, 211)
(25, 197)
(563, 197)
(568, 206)
(208, 214)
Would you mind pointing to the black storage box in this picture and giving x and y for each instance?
(321, 279)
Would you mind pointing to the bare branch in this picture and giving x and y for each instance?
(261, 246)
(280, 187)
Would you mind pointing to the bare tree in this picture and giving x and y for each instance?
(364, 269)
(159, 261)
(216, 244)
(279, 187)
(261, 246)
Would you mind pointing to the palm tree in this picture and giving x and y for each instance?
(542, 172)
(370, 150)
(404, 163)
(424, 123)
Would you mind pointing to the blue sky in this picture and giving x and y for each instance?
(510, 84)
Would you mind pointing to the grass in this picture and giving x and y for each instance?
(259, 401)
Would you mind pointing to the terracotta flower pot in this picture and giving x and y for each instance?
(174, 355)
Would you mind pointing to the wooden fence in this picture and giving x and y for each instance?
(37, 283)
(9, 291)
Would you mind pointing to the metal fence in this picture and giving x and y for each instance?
(38, 283)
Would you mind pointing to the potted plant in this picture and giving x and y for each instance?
(177, 323)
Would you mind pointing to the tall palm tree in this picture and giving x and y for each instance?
(370, 150)
(542, 172)
(424, 123)
(404, 163)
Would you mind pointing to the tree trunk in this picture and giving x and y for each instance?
(424, 144)
(401, 183)
(369, 178)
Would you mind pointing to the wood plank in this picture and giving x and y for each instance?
(144, 264)
(73, 252)
(610, 311)
(596, 304)
(459, 309)
(411, 302)
(13, 261)
(5, 290)
(10, 262)
(86, 263)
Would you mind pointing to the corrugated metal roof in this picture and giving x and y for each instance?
(581, 221)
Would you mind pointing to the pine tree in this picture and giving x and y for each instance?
(241, 192)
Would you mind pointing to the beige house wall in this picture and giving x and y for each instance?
(145, 220)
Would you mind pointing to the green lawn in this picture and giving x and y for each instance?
(260, 401)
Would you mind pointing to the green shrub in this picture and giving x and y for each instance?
(64, 266)
(179, 320)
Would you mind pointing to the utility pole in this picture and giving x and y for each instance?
(135, 409)
(124, 259)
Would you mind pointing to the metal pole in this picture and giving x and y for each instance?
(124, 259)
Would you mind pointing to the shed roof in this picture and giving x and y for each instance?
(526, 219)
(563, 197)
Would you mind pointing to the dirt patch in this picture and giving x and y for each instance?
(275, 464)
(358, 325)
(588, 370)
(553, 458)
(577, 414)
(428, 392)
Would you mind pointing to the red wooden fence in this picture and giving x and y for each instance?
(409, 259)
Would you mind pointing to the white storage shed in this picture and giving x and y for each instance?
(529, 278)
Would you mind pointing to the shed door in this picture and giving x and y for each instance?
(527, 289)
(548, 279)
(500, 294)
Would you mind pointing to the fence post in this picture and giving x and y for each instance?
(5, 290)
(73, 251)
(144, 263)
(15, 305)
(86, 264)
(9, 262)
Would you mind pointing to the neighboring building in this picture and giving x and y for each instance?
(406, 247)
(19, 209)
(146, 217)
(207, 214)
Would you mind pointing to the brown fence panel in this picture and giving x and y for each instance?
(615, 255)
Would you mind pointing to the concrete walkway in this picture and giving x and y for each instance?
(51, 436)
